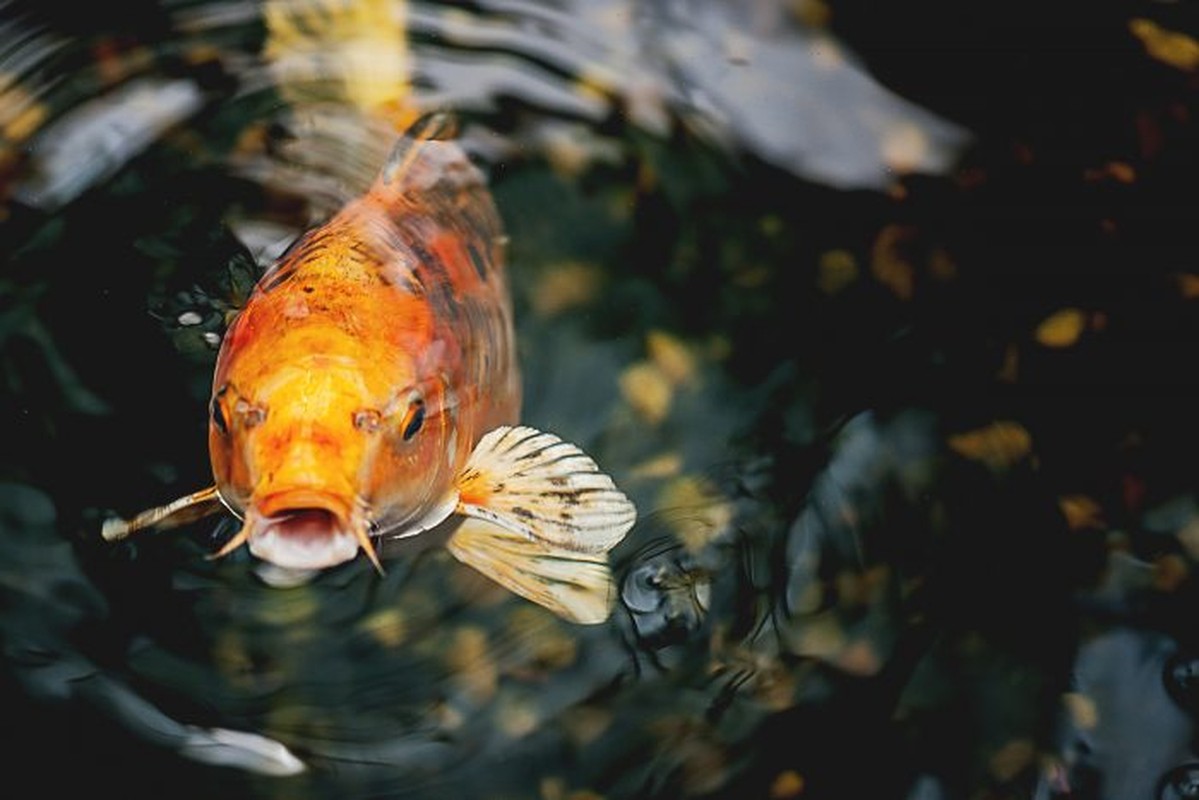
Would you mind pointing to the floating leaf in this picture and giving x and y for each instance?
(700, 514)
(1188, 285)
(1061, 328)
(1176, 49)
(890, 265)
(671, 356)
(1009, 369)
(565, 286)
(1188, 537)
(388, 627)
(1170, 572)
(1119, 171)
(475, 671)
(1081, 512)
(998, 445)
(666, 465)
(1083, 711)
(647, 390)
(788, 783)
(21, 114)
(835, 271)
(1012, 759)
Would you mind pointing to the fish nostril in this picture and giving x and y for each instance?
(368, 420)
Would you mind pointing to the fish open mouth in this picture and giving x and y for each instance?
(302, 533)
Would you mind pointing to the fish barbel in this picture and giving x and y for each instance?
(369, 388)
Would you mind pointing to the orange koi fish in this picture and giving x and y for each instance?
(369, 389)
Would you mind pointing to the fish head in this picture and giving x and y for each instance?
(316, 459)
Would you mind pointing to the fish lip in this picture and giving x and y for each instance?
(302, 530)
(279, 503)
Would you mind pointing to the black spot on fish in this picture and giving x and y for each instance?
(477, 259)
(282, 275)
(306, 246)
(558, 480)
(308, 290)
(438, 286)
(520, 511)
(536, 453)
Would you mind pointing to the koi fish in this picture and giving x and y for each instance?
(369, 389)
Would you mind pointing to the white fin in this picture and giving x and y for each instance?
(536, 485)
(576, 586)
(175, 513)
(436, 515)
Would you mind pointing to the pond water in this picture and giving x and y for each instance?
(882, 318)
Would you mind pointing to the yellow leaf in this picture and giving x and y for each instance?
(647, 390)
(889, 263)
(1176, 49)
(564, 286)
(788, 784)
(1013, 758)
(666, 465)
(1119, 171)
(1080, 511)
(388, 627)
(835, 271)
(998, 445)
(671, 356)
(698, 513)
(1188, 285)
(469, 658)
(1082, 710)
(1009, 369)
(21, 113)
(1061, 328)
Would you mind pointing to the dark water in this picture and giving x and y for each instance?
(883, 316)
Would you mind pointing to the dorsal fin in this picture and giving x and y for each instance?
(436, 127)
(429, 169)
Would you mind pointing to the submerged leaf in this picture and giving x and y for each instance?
(647, 390)
(998, 445)
(1062, 328)
(1176, 49)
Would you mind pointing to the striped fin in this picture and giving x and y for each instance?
(435, 127)
(534, 484)
(576, 586)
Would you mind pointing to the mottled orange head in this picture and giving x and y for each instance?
(331, 415)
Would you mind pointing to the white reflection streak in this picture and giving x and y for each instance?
(92, 142)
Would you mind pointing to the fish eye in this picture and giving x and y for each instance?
(413, 419)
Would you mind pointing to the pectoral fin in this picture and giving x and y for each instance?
(178, 512)
(574, 585)
(543, 488)
(541, 518)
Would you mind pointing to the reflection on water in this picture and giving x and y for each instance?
(903, 409)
